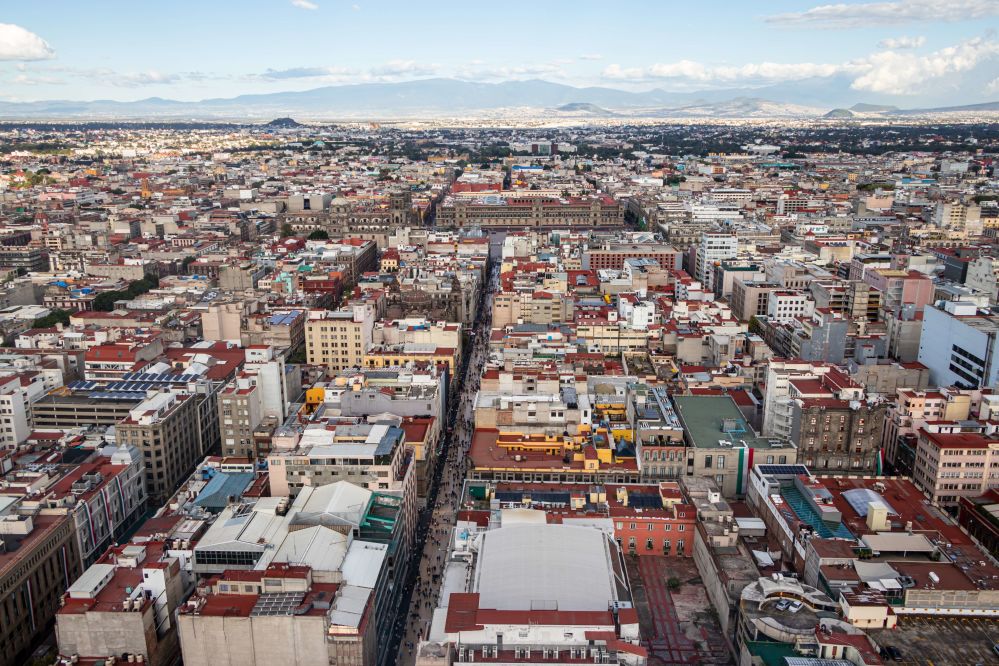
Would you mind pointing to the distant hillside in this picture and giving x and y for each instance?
(284, 123)
(741, 107)
(873, 108)
(839, 114)
(585, 108)
(440, 97)
(968, 108)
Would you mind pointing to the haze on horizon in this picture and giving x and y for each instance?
(909, 53)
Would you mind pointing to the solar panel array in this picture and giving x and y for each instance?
(783, 470)
(132, 386)
(645, 501)
(546, 497)
(285, 318)
(117, 395)
(169, 377)
(277, 603)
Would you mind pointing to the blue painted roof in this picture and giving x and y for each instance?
(215, 495)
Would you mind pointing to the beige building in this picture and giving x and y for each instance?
(751, 298)
(225, 320)
(124, 605)
(129, 270)
(417, 330)
(531, 307)
(239, 620)
(613, 337)
(531, 413)
(338, 339)
(165, 428)
(951, 463)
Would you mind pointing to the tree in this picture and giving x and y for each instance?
(319, 234)
(51, 319)
(673, 583)
(104, 301)
(286, 230)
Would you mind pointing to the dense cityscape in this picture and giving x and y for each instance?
(336, 394)
(392, 333)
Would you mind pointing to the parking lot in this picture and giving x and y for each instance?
(942, 641)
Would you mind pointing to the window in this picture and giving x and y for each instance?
(707, 462)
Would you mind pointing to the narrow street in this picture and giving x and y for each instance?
(437, 521)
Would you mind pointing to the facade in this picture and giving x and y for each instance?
(836, 435)
(533, 307)
(531, 212)
(165, 427)
(750, 298)
(978, 515)
(713, 248)
(339, 339)
(124, 604)
(38, 562)
(257, 397)
(64, 408)
(951, 464)
(614, 255)
(722, 446)
(104, 500)
(960, 346)
(255, 619)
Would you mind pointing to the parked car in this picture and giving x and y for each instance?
(782, 605)
(894, 652)
(794, 606)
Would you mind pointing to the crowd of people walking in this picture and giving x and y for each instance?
(437, 519)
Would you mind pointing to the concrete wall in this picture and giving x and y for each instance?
(253, 641)
(104, 633)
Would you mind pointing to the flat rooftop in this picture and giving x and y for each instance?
(941, 640)
(540, 567)
(708, 419)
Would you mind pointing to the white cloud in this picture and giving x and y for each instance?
(33, 80)
(591, 56)
(305, 73)
(866, 14)
(904, 42)
(993, 86)
(888, 72)
(482, 72)
(356, 8)
(139, 79)
(16, 43)
(397, 68)
(904, 74)
(304, 4)
(392, 70)
(764, 72)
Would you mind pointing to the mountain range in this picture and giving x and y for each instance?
(451, 97)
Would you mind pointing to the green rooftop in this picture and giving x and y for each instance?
(708, 419)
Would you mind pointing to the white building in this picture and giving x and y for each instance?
(513, 594)
(714, 247)
(959, 345)
(784, 306)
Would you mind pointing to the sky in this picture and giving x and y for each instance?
(909, 51)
